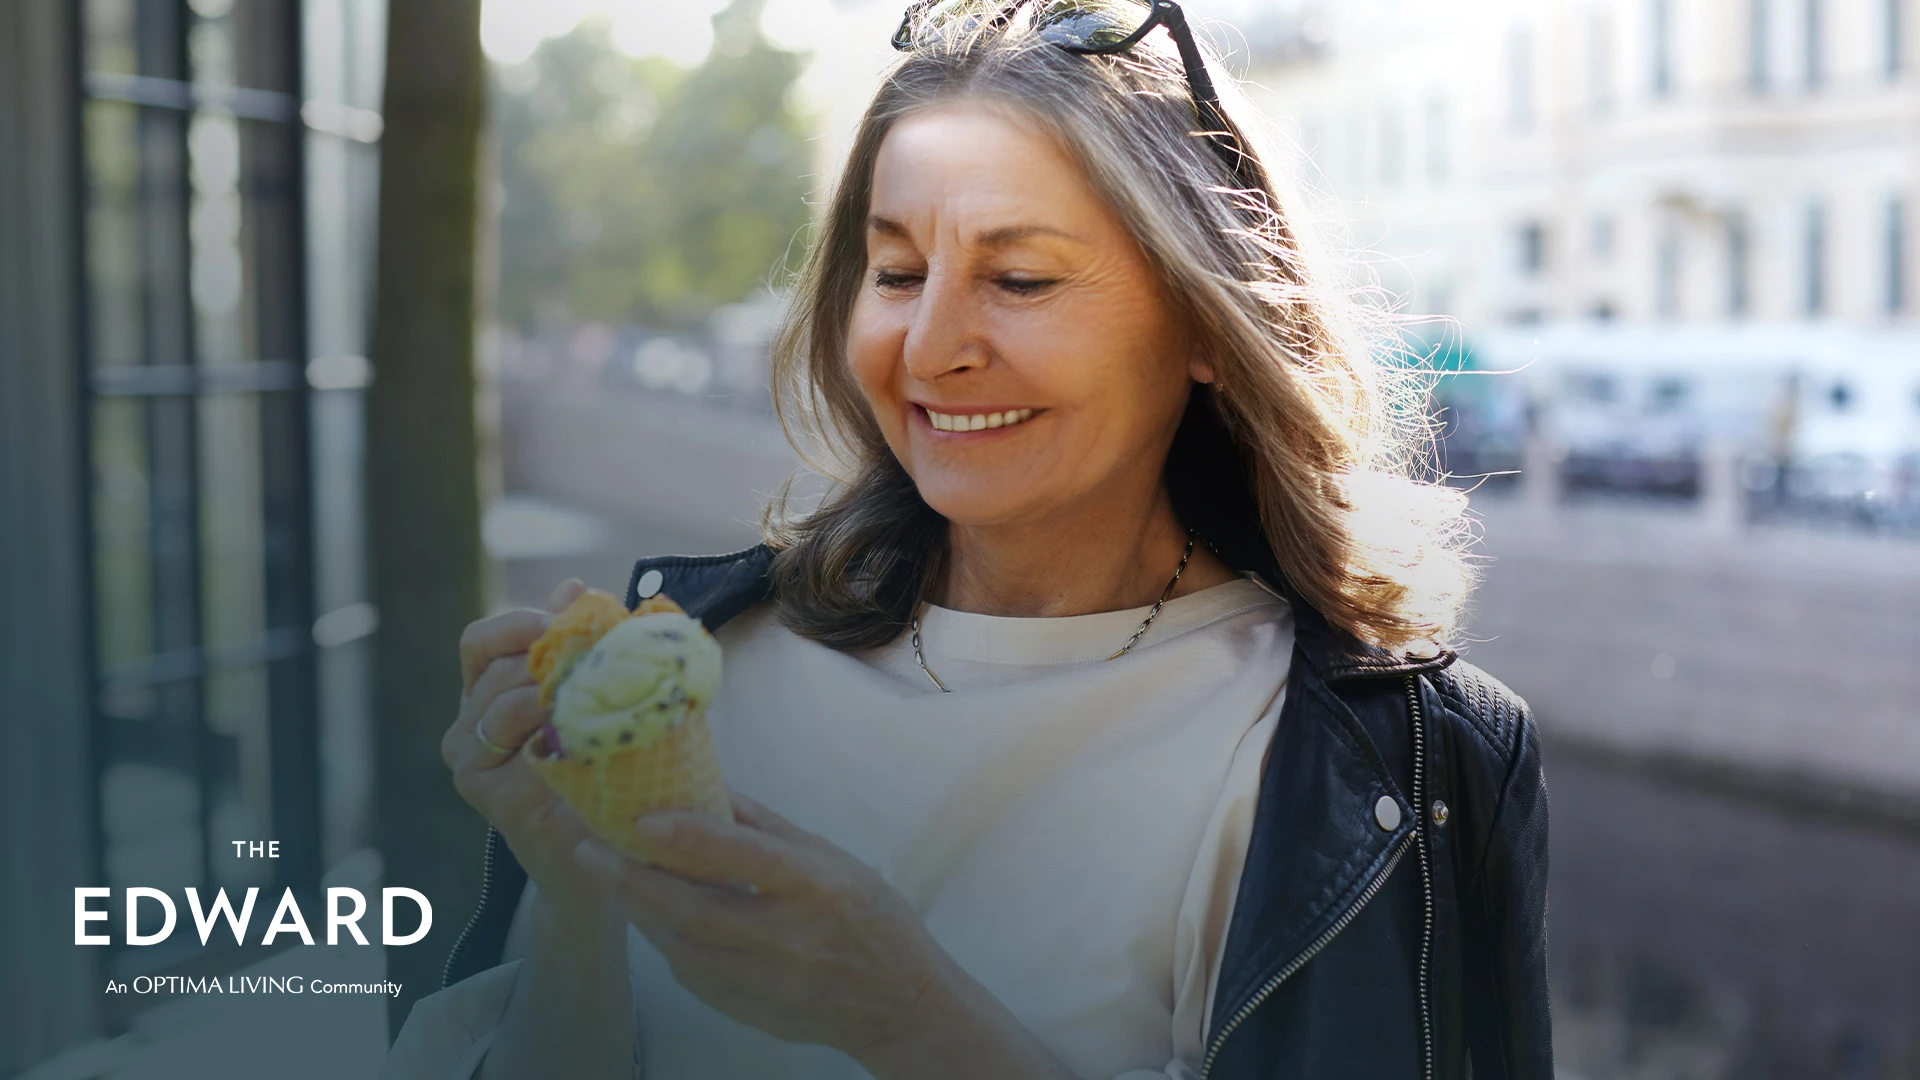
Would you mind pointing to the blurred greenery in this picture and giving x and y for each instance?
(636, 192)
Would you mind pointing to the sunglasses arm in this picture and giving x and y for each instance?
(1204, 95)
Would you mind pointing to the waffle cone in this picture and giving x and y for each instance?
(612, 790)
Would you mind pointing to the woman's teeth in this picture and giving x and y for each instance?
(977, 421)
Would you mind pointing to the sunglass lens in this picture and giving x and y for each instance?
(1088, 24)
(932, 18)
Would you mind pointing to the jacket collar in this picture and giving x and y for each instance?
(711, 588)
(715, 588)
(1338, 655)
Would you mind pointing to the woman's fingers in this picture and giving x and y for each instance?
(487, 640)
(493, 661)
(512, 718)
(502, 675)
(714, 852)
(654, 898)
(758, 816)
(565, 593)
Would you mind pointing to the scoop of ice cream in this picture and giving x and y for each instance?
(640, 679)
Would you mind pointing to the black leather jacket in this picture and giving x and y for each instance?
(1390, 921)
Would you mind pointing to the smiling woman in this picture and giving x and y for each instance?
(1095, 725)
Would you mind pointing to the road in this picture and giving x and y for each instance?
(1699, 935)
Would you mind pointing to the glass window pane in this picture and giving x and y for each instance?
(263, 32)
(218, 224)
(239, 775)
(115, 324)
(123, 581)
(272, 244)
(210, 45)
(346, 747)
(150, 815)
(232, 603)
(108, 32)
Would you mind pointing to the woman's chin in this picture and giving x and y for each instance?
(978, 501)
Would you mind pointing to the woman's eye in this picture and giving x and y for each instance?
(902, 279)
(1024, 286)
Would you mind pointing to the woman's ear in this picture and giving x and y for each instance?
(1198, 367)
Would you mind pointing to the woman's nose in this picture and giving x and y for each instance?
(945, 332)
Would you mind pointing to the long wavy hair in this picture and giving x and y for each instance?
(1307, 461)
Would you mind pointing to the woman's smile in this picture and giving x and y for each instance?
(957, 419)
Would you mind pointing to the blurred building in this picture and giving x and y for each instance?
(185, 232)
(1649, 161)
(1686, 223)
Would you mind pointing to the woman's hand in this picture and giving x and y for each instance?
(783, 930)
(501, 699)
(569, 1013)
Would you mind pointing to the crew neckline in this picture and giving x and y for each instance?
(1009, 639)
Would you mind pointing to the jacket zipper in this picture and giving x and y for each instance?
(480, 906)
(1414, 838)
(1420, 813)
(1311, 951)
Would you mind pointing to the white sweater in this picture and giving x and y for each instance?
(1071, 830)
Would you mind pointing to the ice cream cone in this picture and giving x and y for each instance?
(628, 735)
(614, 789)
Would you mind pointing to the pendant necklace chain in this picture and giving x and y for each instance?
(1122, 651)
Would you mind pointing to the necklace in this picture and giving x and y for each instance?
(1118, 653)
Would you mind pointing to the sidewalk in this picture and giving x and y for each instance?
(1778, 659)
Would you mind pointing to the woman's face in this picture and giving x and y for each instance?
(1015, 344)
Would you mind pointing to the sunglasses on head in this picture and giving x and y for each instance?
(1097, 31)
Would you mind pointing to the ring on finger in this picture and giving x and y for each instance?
(480, 733)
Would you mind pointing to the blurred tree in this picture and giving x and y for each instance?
(423, 490)
(635, 191)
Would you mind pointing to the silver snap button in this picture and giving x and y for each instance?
(1440, 812)
(650, 583)
(1387, 813)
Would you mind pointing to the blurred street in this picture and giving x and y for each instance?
(1728, 716)
(1701, 934)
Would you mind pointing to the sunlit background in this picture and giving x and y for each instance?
(1659, 253)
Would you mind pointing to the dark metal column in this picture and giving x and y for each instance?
(47, 828)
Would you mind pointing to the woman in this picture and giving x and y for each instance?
(1093, 726)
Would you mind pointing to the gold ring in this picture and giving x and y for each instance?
(480, 734)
